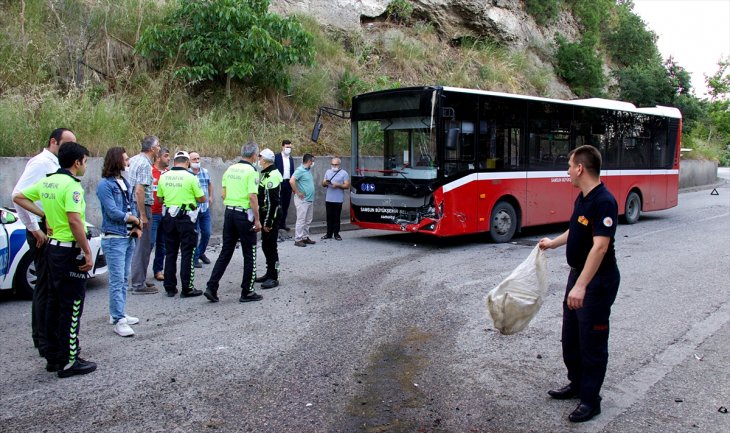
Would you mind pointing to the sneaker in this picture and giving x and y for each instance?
(269, 284)
(204, 259)
(122, 328)
(197, 264)
(144, 290)
(211, 295)
(159, 276)
(262, 279)
(80, 366)
(191, 293)
(326, 237)
(149, 284)
(253, 296)
(300, 243)
(130, 320)
(308, 241)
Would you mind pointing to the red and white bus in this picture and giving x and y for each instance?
(449, 161)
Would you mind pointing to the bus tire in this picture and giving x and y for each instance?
(503, 222)
(25, 277)
(632, 211)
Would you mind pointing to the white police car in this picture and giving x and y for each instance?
(17, 271)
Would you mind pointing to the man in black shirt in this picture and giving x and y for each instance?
(592, 284)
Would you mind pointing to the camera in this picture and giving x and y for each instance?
(133, 230)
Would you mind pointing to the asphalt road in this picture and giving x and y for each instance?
(386, 332)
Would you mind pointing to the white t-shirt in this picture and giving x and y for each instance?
(287, 169)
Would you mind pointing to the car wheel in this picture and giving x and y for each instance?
(632, 212)
(25, 277)
(503, 223)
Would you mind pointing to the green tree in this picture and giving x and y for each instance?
(580, 65)
(679, 78)
(227, 39)
(629, 42)
(718, 84)
(645, 85)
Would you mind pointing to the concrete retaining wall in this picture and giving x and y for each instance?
(692, 173)
(12, 168)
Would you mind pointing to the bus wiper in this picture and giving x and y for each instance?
(416, 187)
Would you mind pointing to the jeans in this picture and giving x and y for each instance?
(203, 225)
(119, 258)
(158, 240)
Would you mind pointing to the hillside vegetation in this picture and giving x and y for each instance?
(116, 70)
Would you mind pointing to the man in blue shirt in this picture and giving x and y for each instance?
(302, 185)
(337, 181)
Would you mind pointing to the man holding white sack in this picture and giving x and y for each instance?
(592, 283)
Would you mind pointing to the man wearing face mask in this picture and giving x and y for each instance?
(337, 181)
(285, 164)
(269, 190)
(302, 185)
(203, 223)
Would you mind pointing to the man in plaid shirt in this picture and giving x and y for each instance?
(204, 222)
(140, 179)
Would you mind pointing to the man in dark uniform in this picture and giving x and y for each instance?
(240, 185)
(285, 164)
(179, 191)
(68, 256)
(269, 189)
(592, 284)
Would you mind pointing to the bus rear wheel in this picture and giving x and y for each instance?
(503, 222)
(633, 208)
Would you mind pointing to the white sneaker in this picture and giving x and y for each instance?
(122, 328)
(130, 320)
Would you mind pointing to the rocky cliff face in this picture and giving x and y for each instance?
(503, 21)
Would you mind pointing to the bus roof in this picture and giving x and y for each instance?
(607, 104)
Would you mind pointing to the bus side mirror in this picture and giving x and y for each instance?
(452, 139)
(315, 130)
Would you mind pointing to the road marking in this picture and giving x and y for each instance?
(635, 387)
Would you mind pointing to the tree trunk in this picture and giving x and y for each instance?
(228, 86)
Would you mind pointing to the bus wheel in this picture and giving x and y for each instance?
(633, 208)
(503, 223)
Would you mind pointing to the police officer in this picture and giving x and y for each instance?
(179, 191)
(240, 223)
(68, 256)
(269, 192)
(592, 283)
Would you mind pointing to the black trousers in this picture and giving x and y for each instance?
(40, 294)
(285, 197)
(334, 211)
(179, 235)
(236, 227)
(65, 303)
(585, 333)
(269, 242)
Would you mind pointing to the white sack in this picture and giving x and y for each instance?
(517, 299)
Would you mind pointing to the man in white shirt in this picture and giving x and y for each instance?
(36, 169)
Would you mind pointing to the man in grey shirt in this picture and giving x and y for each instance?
(141, 181)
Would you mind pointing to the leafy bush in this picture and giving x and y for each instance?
(543, 11)
(399, 11)
(229, 38)
(581, 67)
(349, 85)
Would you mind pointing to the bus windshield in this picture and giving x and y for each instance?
(395, 144)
